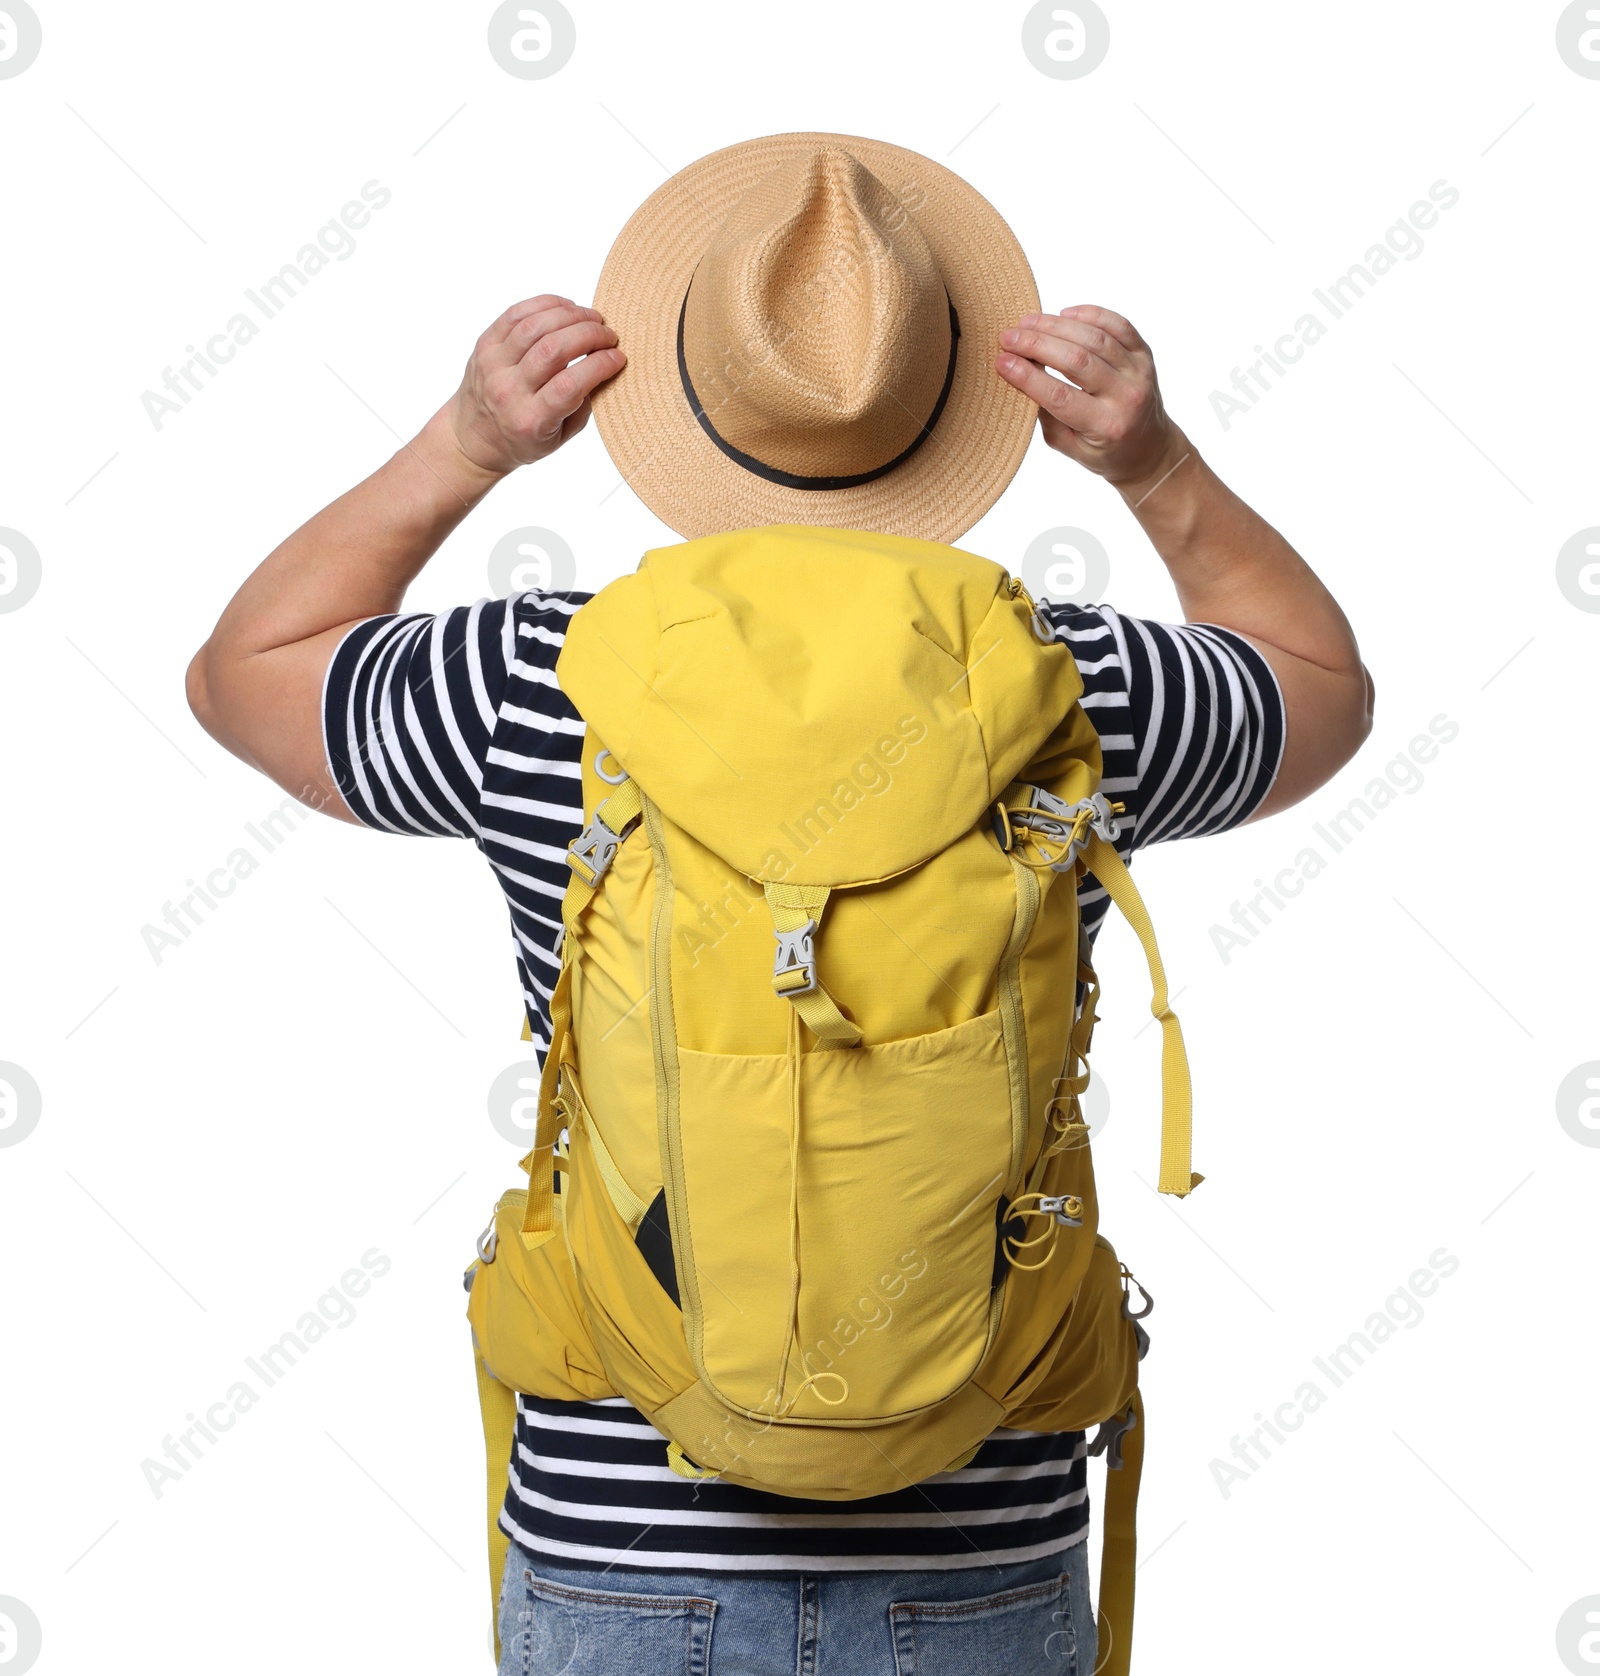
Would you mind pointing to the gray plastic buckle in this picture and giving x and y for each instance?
(1104, 822)
(489, 1242)
(1055, 818)
(1108, 1440)
(796, 953)
(1046, 802)
(591, 852)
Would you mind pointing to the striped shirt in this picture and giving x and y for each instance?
(454, 726)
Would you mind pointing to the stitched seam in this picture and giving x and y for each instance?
(955, 657)
(932, 1610)
(601, 1597)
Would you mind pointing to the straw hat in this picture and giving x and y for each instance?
(811, 322)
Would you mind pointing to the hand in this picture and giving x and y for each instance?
(1109, 418)
(526, 389)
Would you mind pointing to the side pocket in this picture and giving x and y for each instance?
(599, 1632)
(528, 1323)
(1089, 1367)
(629, 1206)
(1013, 1018)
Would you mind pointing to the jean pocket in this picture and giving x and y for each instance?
(1023, 1632)
(567, 1631)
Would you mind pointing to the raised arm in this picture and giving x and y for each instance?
(1229, 565)
(256, 684)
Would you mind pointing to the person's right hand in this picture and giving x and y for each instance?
(1105, 411)
(527, 387)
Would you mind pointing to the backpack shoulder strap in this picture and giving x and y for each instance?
(1119, 1548)
(588, 856)
(1177, 1174)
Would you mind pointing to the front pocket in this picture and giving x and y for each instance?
(903, 1151)
(599, 1632)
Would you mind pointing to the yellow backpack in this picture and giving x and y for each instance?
(817, 1037)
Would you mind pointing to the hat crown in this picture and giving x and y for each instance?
(817, 331)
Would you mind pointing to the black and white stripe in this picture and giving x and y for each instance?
(590, 1485)
(455, 725)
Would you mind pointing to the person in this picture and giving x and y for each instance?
(454, 724)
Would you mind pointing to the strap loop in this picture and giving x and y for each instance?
(684, 1467)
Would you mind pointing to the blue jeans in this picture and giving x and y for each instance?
(1015, 1620)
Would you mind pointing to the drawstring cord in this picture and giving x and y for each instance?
(681, 1464)
(814, 1379)
(1050, 1233)
(791, 1329)
(1064, 1210)
(1072, 839)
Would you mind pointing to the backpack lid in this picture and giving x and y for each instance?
(859, 698)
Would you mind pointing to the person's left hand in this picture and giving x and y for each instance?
(1110, 417)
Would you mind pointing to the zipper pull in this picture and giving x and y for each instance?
(1042, 630)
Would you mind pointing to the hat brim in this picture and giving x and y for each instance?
(644, 416)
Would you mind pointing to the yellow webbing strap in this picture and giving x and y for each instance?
(1119, 1551)
(684, 1467)
(1088, 1016)
(791, 907)
(499, 1407)
(540, 1163)
(1177, 1174)
(1075, 1071)
(820, 1014)
(626, 803)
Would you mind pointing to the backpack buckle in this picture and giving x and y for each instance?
(1069, 823)
(1102, 812)
(592, 851)
(794, 966)
(1108, 1440)
(1047, 803)
(1105, 820)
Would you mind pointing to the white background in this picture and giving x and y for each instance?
(226, 1131)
